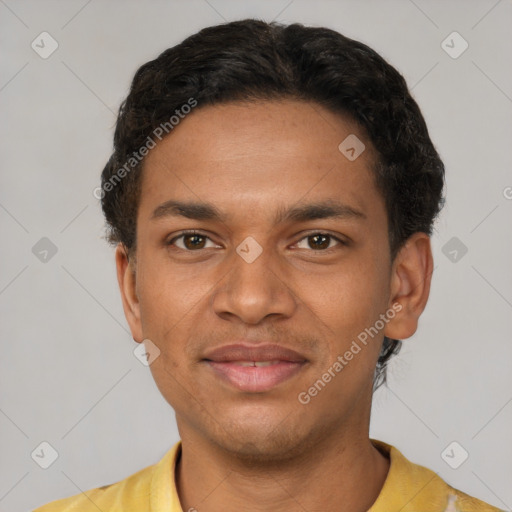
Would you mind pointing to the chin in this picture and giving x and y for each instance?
(263, 450)
(265, 441)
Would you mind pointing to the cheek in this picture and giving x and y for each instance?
(169, 295)
(169, 380)
(172, 301)
(349, 298)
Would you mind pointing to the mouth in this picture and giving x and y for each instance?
(255, 368)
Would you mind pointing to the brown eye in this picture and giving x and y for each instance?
(191, 241)
(194, 241)
(318, 241)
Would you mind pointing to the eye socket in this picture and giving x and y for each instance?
(194, 236)
(320, 237)
(199, 240)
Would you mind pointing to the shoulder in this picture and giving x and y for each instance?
(465, 503)
(411, 487)
(131, 491)
(140, 491)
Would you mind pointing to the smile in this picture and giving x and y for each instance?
(255, 376)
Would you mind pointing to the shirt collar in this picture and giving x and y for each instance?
(408, 487)
(163, 493)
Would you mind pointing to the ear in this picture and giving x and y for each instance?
(410, 286)
(127, 279)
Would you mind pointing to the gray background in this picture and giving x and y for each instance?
(68, 375)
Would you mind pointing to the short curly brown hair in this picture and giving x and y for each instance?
(254, 60)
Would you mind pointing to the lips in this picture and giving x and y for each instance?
(254, 368)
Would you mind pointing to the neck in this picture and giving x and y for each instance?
(338, 474)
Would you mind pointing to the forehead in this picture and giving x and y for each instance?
(255, 154)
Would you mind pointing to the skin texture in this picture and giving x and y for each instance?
(268, 451)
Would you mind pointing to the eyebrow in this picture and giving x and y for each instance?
(207, 211)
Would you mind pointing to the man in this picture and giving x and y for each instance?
(272, 193)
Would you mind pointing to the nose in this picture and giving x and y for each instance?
(254, 289)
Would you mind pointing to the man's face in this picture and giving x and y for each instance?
(305, 292)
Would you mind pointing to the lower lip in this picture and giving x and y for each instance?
(255, 379)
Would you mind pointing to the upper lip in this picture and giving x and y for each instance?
(260, 352)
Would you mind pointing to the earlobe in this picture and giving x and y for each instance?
(410, 285)
(127, 280)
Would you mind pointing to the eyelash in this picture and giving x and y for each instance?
(194, 232)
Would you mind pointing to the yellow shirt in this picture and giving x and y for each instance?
(408, 488)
